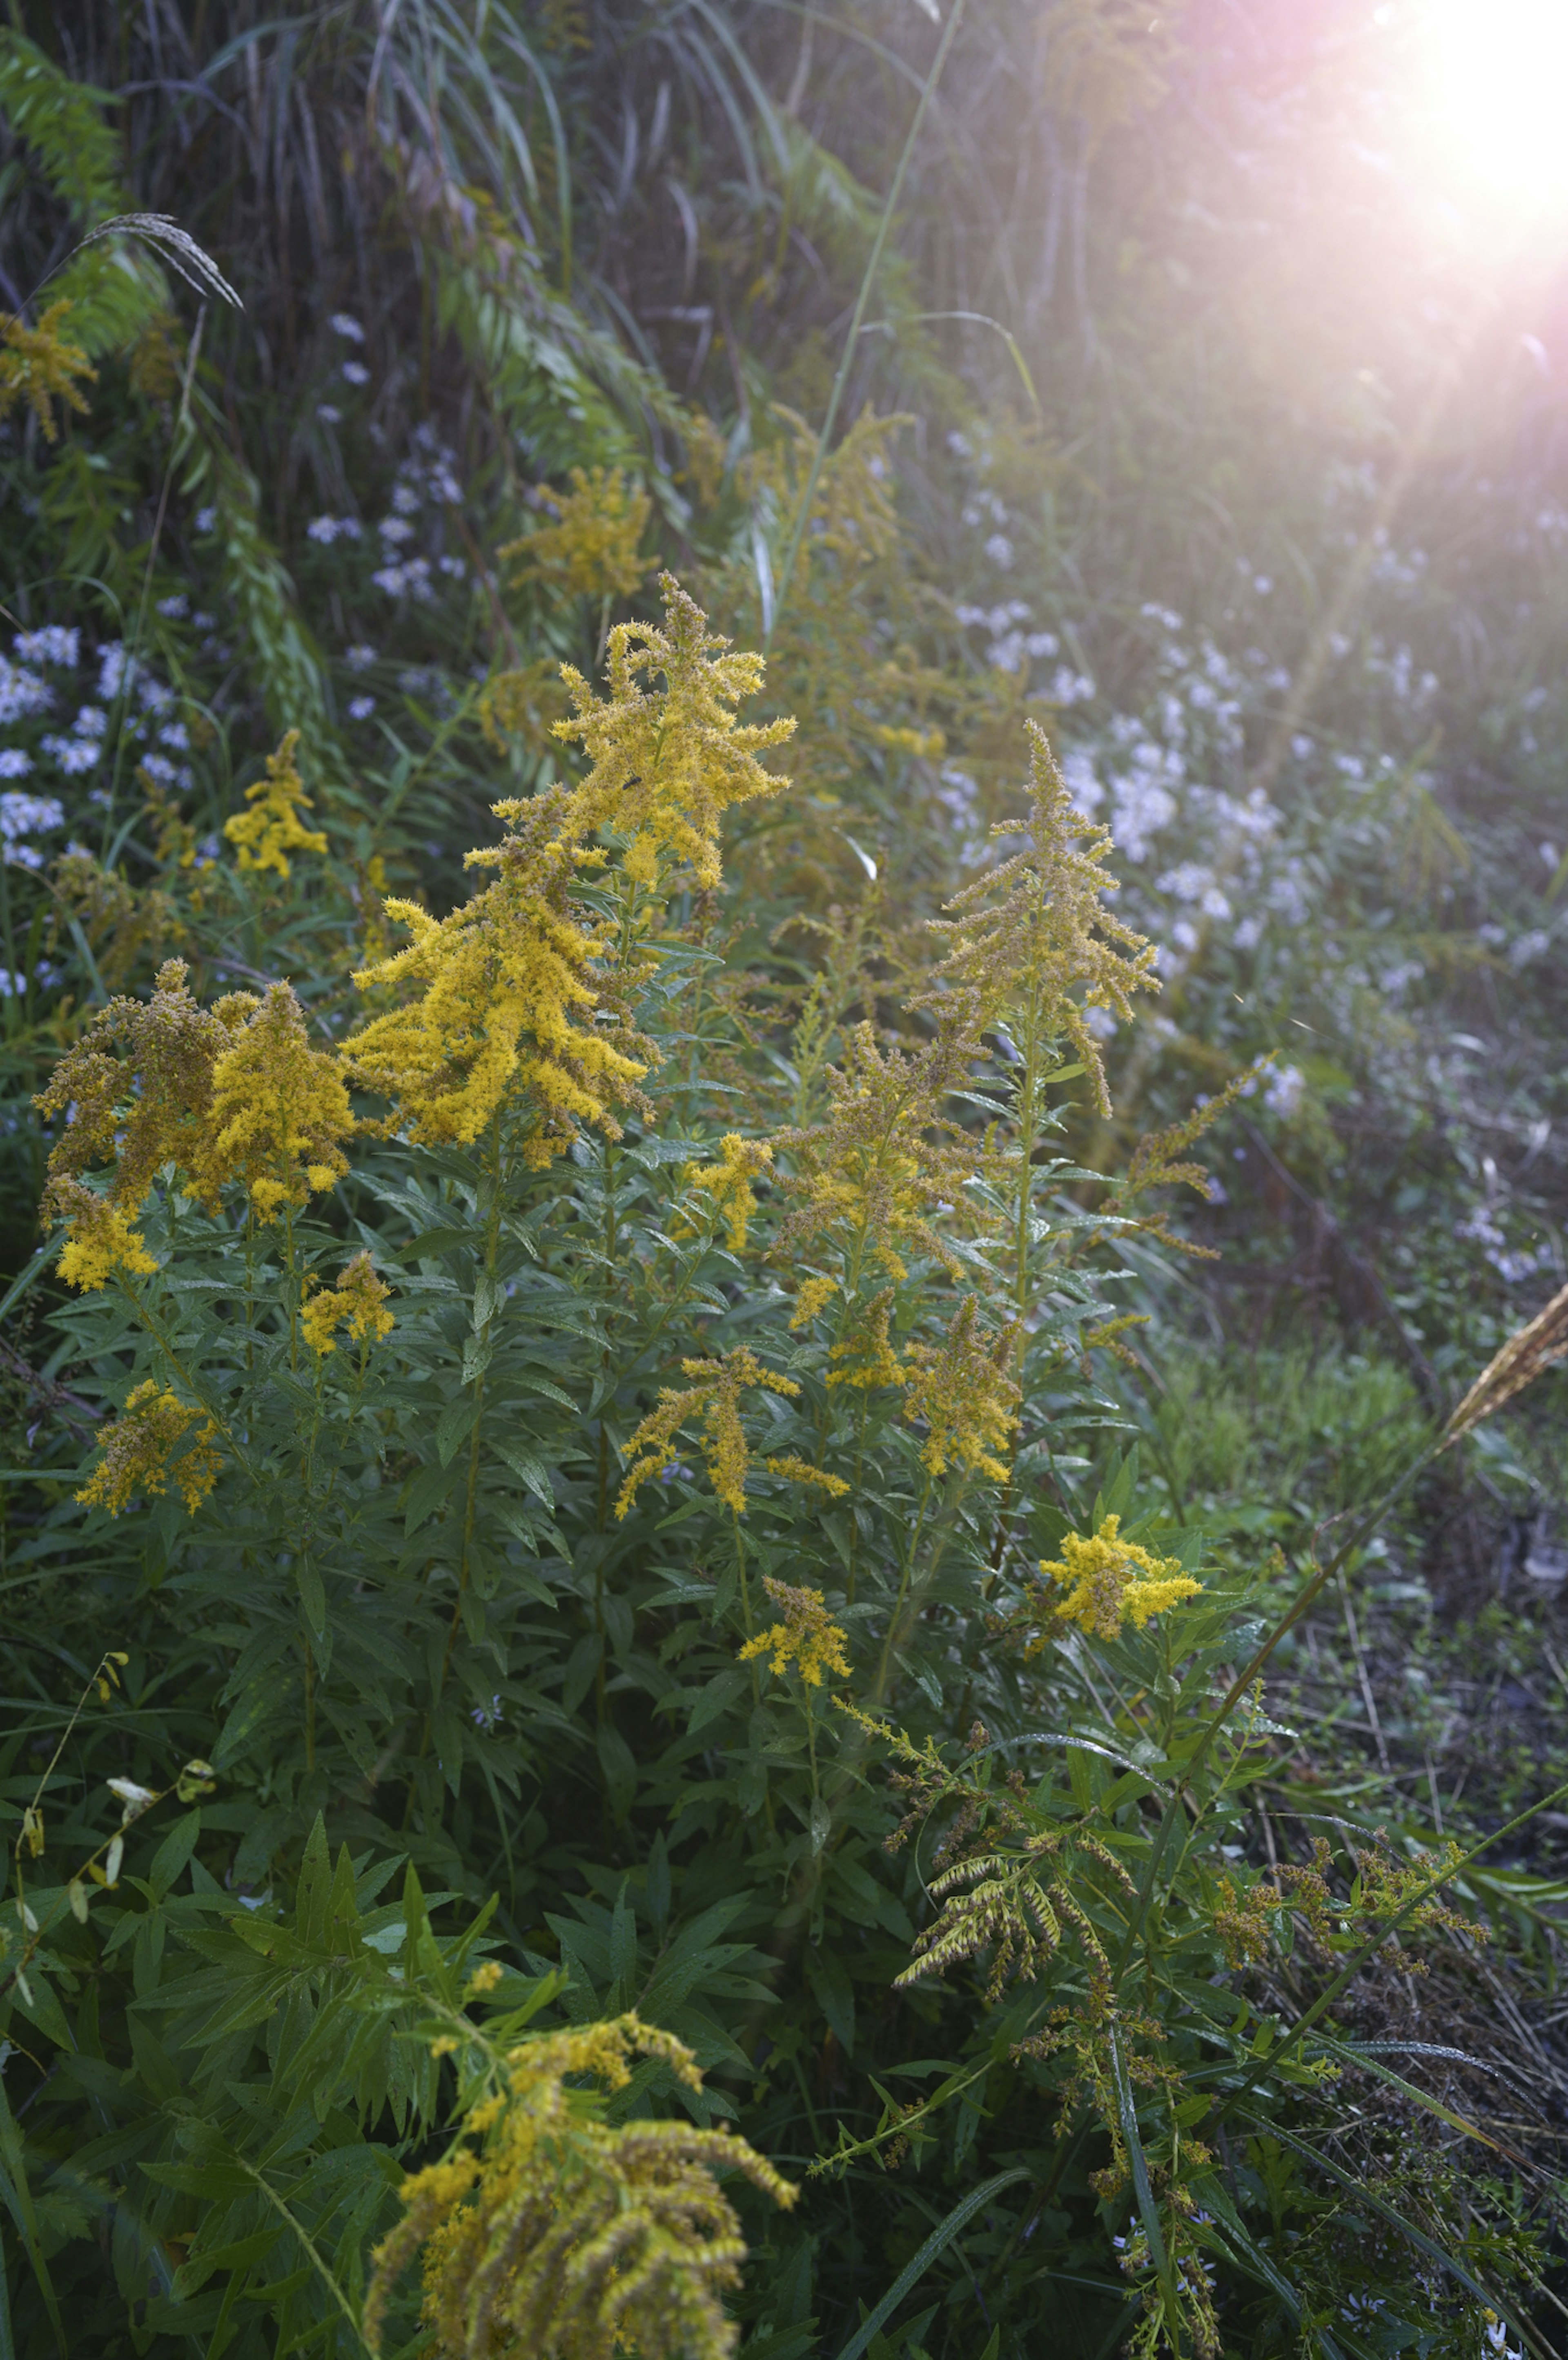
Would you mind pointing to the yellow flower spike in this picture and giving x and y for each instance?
(40, 368)
(804, 1637)
(138, 1452)
(271, 829)
(280, 1109)
(963, 1393)
(867, 1354)
(728, 1182)
(566, 2234)
(1109, 1580)
(136, 1091)
(668, 763)
(799, 1470)
(715, 1396)
(509, 989)
(1036, 926)
(812, 1298)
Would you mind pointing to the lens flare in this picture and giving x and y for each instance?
(1500, 89)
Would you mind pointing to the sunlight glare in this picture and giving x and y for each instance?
(1500, 80)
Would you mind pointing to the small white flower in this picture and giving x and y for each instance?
(73, 755)
(205, 519)
(54, 643)
(999, 549)
(361, 709)
(1283, 1091)
(405, 498)
(22, 693)
(23, 815)
(453, 566)
(91, 722)
(14, 762)
(175, 733)
(11, 985)
(328, 413)
(176, 606)
(343, 323)
(395, 530)
(356, 373)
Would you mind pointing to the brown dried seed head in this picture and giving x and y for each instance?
(1537, 1345)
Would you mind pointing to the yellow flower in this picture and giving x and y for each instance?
(799, 1470)
(138, 1452)
(280, 1110)
(814, 1294)
(136, 1092)
(869, 1350)
(1028, 933)
(964, 1395)
(668, 763)
(508, 988)
(1108, 1579)
(101, 1238)
(887, 1159)
(714, 1394)
(37, 366)
(728, 1182)
(568, 2234)
(272, 828)
(805, 1636)
(359, 1297)
(591, 549)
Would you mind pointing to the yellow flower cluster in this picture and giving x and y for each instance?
(233, 1092)
(963, 1393)
(100, 1240)
(887, 1159)
(804, 1637)
(38, 367)
(792, 1469)
(715, 1395)
(359, 1297)
(1035, 928)
(271, 829)
(728, 1182)
(1109, 1581)
(590, 549)
(136, 1091)
(866, 1353)
(280, 1110)
(139, 1452)
(509, 986)
(667, 763)
(567, 2235)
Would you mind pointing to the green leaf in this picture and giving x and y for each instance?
(936, 2244)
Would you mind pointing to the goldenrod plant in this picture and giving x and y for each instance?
(745, 1169)
(664, 1538)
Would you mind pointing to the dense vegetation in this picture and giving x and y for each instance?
(779, 1189)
